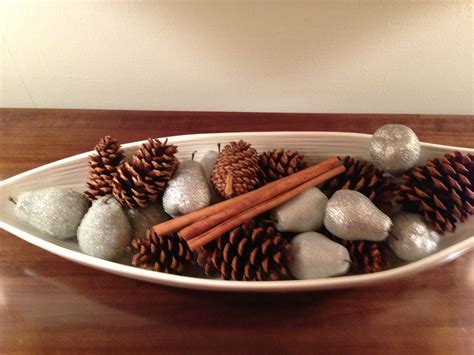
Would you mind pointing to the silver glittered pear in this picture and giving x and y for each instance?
(394, 148)
(303, 213)
(187, 191)
(314, 256)
(411, 238)
(352, 216)
(104, 231)
(56, 211)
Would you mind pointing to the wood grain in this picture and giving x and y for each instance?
(50, 305)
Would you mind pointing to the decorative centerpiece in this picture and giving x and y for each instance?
(244, 215)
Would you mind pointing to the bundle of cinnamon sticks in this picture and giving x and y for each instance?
(203, 226)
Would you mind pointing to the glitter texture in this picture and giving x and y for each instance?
(315, 256)
(208, 161)
(187, 191)
(394, 148)
(411, 239)
(55, 211)
(105, 230)
(352, 216)
(302, 213)
(142, 219)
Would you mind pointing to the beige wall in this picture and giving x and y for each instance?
(321, 56)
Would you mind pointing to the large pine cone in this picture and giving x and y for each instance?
(252, 251)
(169, 254)
(236, 170)
(365, 178)
(366, 256)
(277, 164)
(441, 191)
(146, 177)
(103, 167)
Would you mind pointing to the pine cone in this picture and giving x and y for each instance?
(366, 179)
(103, 168)
(366, 256)
(277, 164)
(236, 170)
(252, 251)
(146, 177)
(156, 162)
(169, 254)
(441, 191)
(130, 189)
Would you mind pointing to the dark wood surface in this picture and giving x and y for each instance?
(48, 304)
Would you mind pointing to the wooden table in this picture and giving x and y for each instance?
(48, 304)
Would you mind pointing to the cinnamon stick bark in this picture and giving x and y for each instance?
(245, 216)
(238, 204)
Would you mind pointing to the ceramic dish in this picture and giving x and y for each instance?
(316, 146)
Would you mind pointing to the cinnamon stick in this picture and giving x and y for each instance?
(245, 216)
(249, 199)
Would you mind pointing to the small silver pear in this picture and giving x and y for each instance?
(411, 239)
(314, 256)
(187, 191)
(302, 213)
(352, 216)
(104, 231)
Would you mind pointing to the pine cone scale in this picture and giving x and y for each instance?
(420, 193)
(465, 181)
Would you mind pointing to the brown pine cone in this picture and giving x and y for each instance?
(145, 179)
(366, 256)
(441, 191)
(103, 167)
(277, 164)
(236, 170)
(156, 162)
(365, 178)
(252, 251)
(130, 189)
(169, 254)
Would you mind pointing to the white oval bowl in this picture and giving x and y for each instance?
(316, 146)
